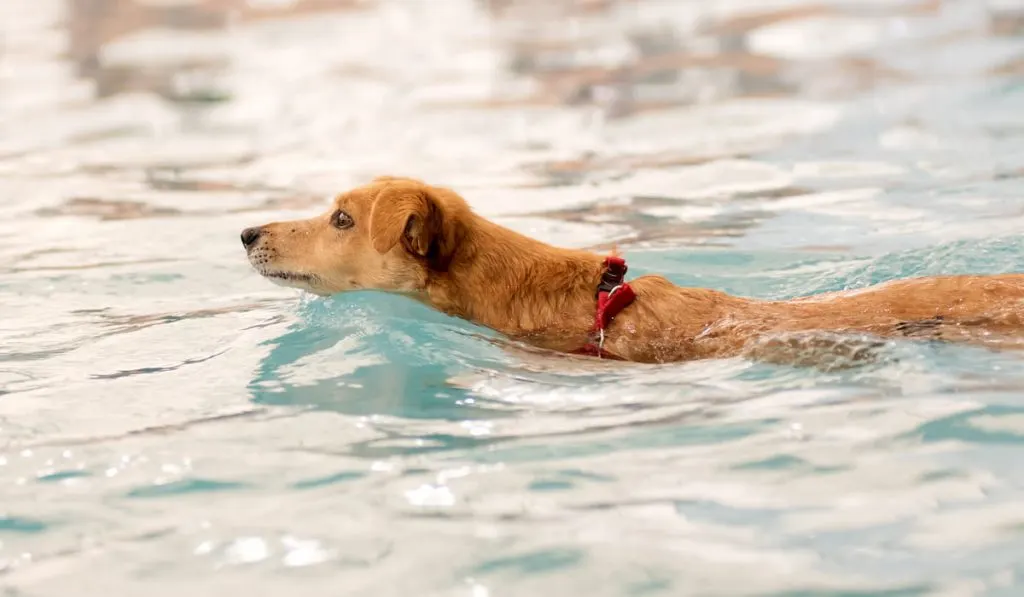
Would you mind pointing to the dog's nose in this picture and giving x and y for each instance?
(250, 236)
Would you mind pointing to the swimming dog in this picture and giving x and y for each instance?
(404, 236)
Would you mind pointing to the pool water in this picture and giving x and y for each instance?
(172, 423)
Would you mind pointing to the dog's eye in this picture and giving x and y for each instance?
(342, 220)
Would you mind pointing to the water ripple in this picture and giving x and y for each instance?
(170, 423)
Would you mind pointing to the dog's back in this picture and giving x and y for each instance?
(669, 322)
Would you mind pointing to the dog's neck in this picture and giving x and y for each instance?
(518, 286)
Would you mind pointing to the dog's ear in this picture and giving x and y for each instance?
(425, 221)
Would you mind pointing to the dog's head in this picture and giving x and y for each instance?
(391, 234)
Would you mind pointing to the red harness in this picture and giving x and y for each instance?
(613, 295)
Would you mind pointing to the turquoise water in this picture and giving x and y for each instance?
(170, 423)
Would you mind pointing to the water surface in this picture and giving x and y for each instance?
(171, 423)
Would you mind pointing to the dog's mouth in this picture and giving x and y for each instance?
(285, 278)
(289, 276)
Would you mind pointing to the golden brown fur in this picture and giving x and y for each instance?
(404, 236)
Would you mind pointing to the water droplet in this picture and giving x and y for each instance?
(478, 428)
(431, 496)
(203, 548)
(247, 550)
(303, 552)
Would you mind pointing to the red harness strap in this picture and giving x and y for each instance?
(613, 295)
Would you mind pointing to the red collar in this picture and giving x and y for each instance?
(613, 295)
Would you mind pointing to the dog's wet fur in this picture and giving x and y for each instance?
(405, 236)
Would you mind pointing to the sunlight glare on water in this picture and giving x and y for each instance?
(172, 423)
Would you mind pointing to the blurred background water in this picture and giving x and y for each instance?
(170, 423)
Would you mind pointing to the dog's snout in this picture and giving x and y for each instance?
(250, 236)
